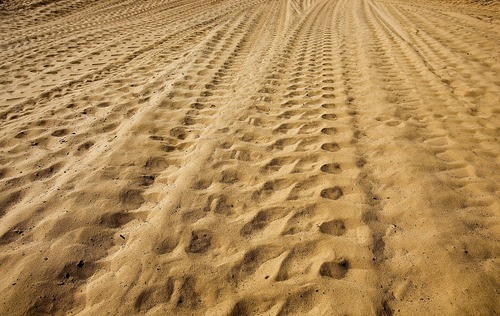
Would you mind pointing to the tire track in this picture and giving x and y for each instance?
(439, 142)
(197, 118)
(131, 196)
(248, 157)
(97, 70)
(357, 62)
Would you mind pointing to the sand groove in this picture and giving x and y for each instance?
(291, 157)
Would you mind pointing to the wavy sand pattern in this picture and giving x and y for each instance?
(249, 157)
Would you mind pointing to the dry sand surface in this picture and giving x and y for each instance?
(249, 157)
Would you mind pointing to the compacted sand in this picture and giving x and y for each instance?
(249, 157)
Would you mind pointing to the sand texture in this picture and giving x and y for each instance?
(249, 157)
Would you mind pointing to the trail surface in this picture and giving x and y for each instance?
(256, 157)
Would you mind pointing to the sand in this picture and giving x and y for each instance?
(249, 157)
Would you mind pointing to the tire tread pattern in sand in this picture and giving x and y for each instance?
(256, 157)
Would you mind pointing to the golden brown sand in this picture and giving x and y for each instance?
(249, 157)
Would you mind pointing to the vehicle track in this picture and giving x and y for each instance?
(228, 157)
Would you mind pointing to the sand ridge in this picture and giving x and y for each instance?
(228, 157)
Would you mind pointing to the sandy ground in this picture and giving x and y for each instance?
(249, 157)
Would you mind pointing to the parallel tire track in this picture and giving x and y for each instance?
(262, 157)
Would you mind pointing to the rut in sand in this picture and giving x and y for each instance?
(257, 157)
